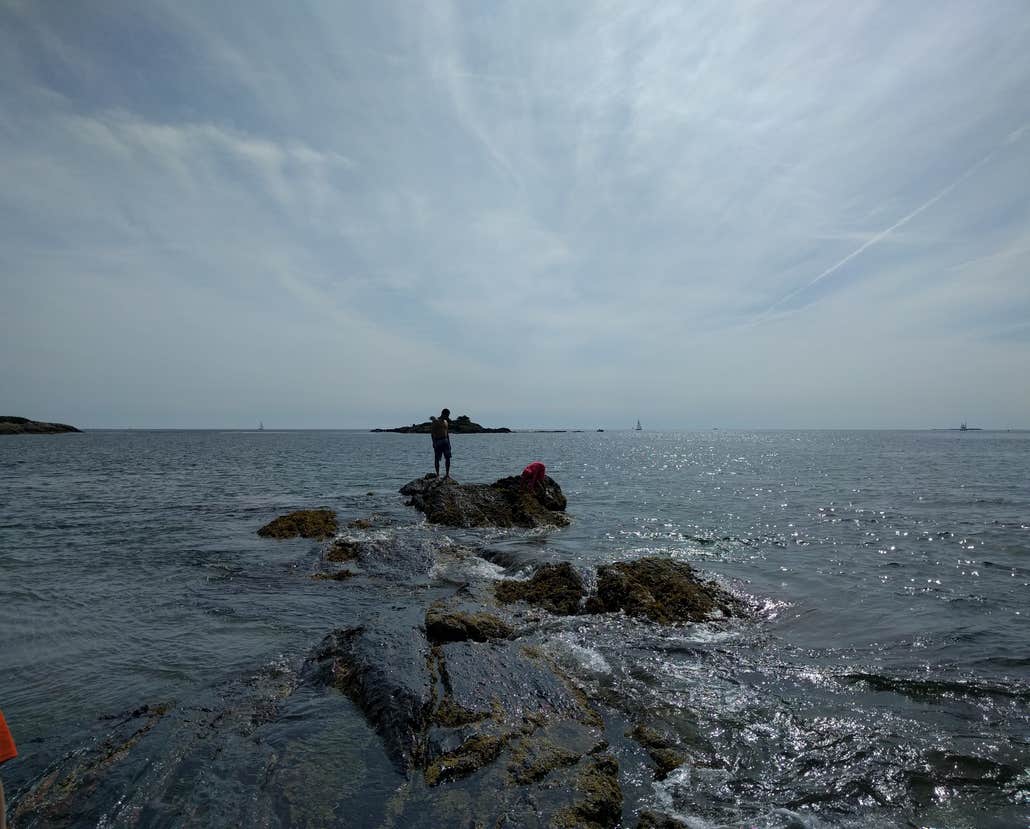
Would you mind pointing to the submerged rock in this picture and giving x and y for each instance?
(319, 524)
(658, 589)
(554, 587)
(504, 503)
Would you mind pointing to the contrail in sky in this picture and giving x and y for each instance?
(1010, 139)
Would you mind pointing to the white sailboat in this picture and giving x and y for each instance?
(638, 427)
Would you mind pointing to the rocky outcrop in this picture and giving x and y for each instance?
(461, 425)
(658, 589)
(23, 426)
(319, 524)
(504, 503)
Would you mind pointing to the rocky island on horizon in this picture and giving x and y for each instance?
(10, 425)
(461, 425)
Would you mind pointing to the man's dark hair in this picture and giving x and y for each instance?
(445, 413)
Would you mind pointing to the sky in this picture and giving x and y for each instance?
(571, 214)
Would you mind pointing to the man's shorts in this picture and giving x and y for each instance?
(441, 446)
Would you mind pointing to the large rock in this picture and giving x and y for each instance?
(461, 425)
(23, 426)
(504, 503)
(658, 589)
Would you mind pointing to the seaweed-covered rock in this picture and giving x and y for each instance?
(23, 426)
(342, 550)
(659, 589)
(662, 748)
(554, 587)
(445, 624)
(504, 503)
(599, 802)
(319, 524)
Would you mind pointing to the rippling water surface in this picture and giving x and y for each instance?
(883, 679)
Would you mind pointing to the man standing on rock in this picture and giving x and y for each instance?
(441, 441)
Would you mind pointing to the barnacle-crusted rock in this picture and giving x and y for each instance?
(504, 503)
(659, 589)
(319, 524)
(554, 587)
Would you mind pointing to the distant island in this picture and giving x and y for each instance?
(23, 426)
(459, 426)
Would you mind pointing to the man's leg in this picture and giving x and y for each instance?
(448, 467)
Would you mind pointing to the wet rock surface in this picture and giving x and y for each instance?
(319, 524)
(659, 589)
(504, 503)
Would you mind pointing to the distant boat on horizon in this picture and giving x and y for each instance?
(261, 425)
(638, 427)
(965, 428)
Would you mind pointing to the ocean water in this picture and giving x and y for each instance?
(882, 677)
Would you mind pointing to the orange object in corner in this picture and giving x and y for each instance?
(7, 747)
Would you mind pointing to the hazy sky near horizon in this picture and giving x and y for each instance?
(575, 213)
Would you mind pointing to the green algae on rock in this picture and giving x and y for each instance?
(470, 756)
(319, 524)
(659, 589)
(554, 587)
(533, 760)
